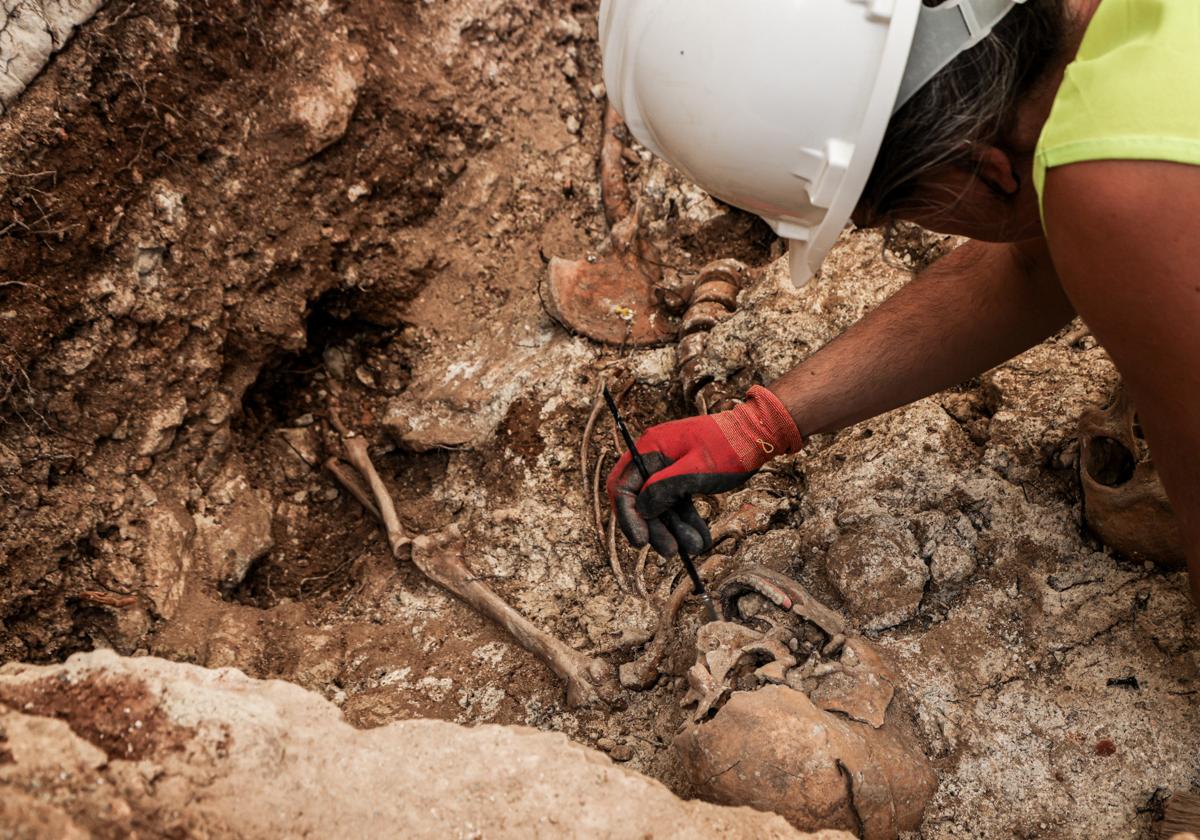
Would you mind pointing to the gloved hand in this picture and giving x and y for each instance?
(709, 454)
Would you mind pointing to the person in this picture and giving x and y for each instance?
(1064, 142)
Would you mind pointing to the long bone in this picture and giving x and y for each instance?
(589, 681)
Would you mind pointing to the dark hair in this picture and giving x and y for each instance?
(973, 100)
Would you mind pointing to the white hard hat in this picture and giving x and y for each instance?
(779, 106)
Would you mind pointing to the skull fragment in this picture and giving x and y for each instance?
(792, 715)
(1124, 500)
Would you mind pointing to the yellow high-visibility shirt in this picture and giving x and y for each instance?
(1132, 92)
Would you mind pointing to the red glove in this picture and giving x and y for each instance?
(709, 454)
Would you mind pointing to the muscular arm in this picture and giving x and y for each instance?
(973, 309)
(1126, 241)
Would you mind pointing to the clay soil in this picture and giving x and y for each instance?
(218, 217)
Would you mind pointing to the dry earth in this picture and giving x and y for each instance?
(214, 215)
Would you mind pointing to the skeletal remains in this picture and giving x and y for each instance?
(705, 302)
(790, 713)
(794, 715)
(589, 681)
(1124, 500)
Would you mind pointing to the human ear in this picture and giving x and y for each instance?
(995, 168)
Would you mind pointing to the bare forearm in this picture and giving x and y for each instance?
(970, 311)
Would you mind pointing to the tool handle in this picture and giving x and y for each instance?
(629, 442)
(669, 518)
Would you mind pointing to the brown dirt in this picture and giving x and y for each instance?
(117, 715)
(196, 262)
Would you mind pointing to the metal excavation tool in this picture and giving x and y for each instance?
(669, 518)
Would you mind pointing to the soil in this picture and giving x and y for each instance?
(216, 218)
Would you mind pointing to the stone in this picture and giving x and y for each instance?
(318, 107)
(460, 403)
(233, 756)
(168, 534)
(234, 532)
(878, 571)
(300, 452)
(621, 752)
(568, 29)
(31, 31)
(161, 425)
(951, 565)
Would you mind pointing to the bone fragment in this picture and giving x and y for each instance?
(835, 644)
(597, 407)
(614, 557)
(589, 681)
(773, 672)
(360, 458)
(703, 690)
(597, 505)
(717, 291)
(725, 634)
(613, 189)
(642, 673)
(773, 648)
(861, 686)
(1130, 513)
(819, 770)
(703, 316)
(353, 485)
(783, 592)
(639, 571)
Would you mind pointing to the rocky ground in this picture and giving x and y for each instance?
(111, 747)
(219, 219)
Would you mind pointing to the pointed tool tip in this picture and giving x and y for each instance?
(612, 404)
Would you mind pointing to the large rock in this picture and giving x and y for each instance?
(31, 31)
(104, 744)
(234, 531)
(459, 402)
(321, 101)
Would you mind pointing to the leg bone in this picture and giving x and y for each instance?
(589, 681)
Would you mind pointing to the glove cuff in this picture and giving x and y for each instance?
(759, 429)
